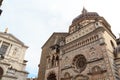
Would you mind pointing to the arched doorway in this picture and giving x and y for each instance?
(1, 72)
(52, 76)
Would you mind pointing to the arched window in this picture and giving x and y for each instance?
(51, 76)
(67, 75)
(97, 73)
(1, 72)
(96, 70)
(92, 49)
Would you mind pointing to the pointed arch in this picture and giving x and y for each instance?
(66, 75)
(96, 70)
(51, 76)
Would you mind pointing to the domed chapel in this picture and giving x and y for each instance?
(88, 51)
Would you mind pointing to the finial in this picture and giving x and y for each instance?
(6, 30)
(84, 11)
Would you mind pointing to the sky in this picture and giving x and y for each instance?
(34, 21)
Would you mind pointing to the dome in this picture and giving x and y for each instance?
(85, 14)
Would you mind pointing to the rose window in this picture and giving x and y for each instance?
(79, 62)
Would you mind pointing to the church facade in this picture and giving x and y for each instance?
(89, 51)
(12, 63)
(12, 53)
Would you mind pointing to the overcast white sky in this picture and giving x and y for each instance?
(33, 21)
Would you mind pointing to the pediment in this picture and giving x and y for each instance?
(10, 37)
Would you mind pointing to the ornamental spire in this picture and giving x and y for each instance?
(84, 11)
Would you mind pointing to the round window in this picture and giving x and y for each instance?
(80, 62)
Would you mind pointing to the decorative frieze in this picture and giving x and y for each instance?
(81, 43)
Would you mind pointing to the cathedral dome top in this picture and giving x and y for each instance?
(85, 14)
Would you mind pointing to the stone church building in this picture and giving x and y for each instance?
(12, 53)
(89, 51)
(12, 63)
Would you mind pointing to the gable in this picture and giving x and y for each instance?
(53, 39)
(11, 37)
